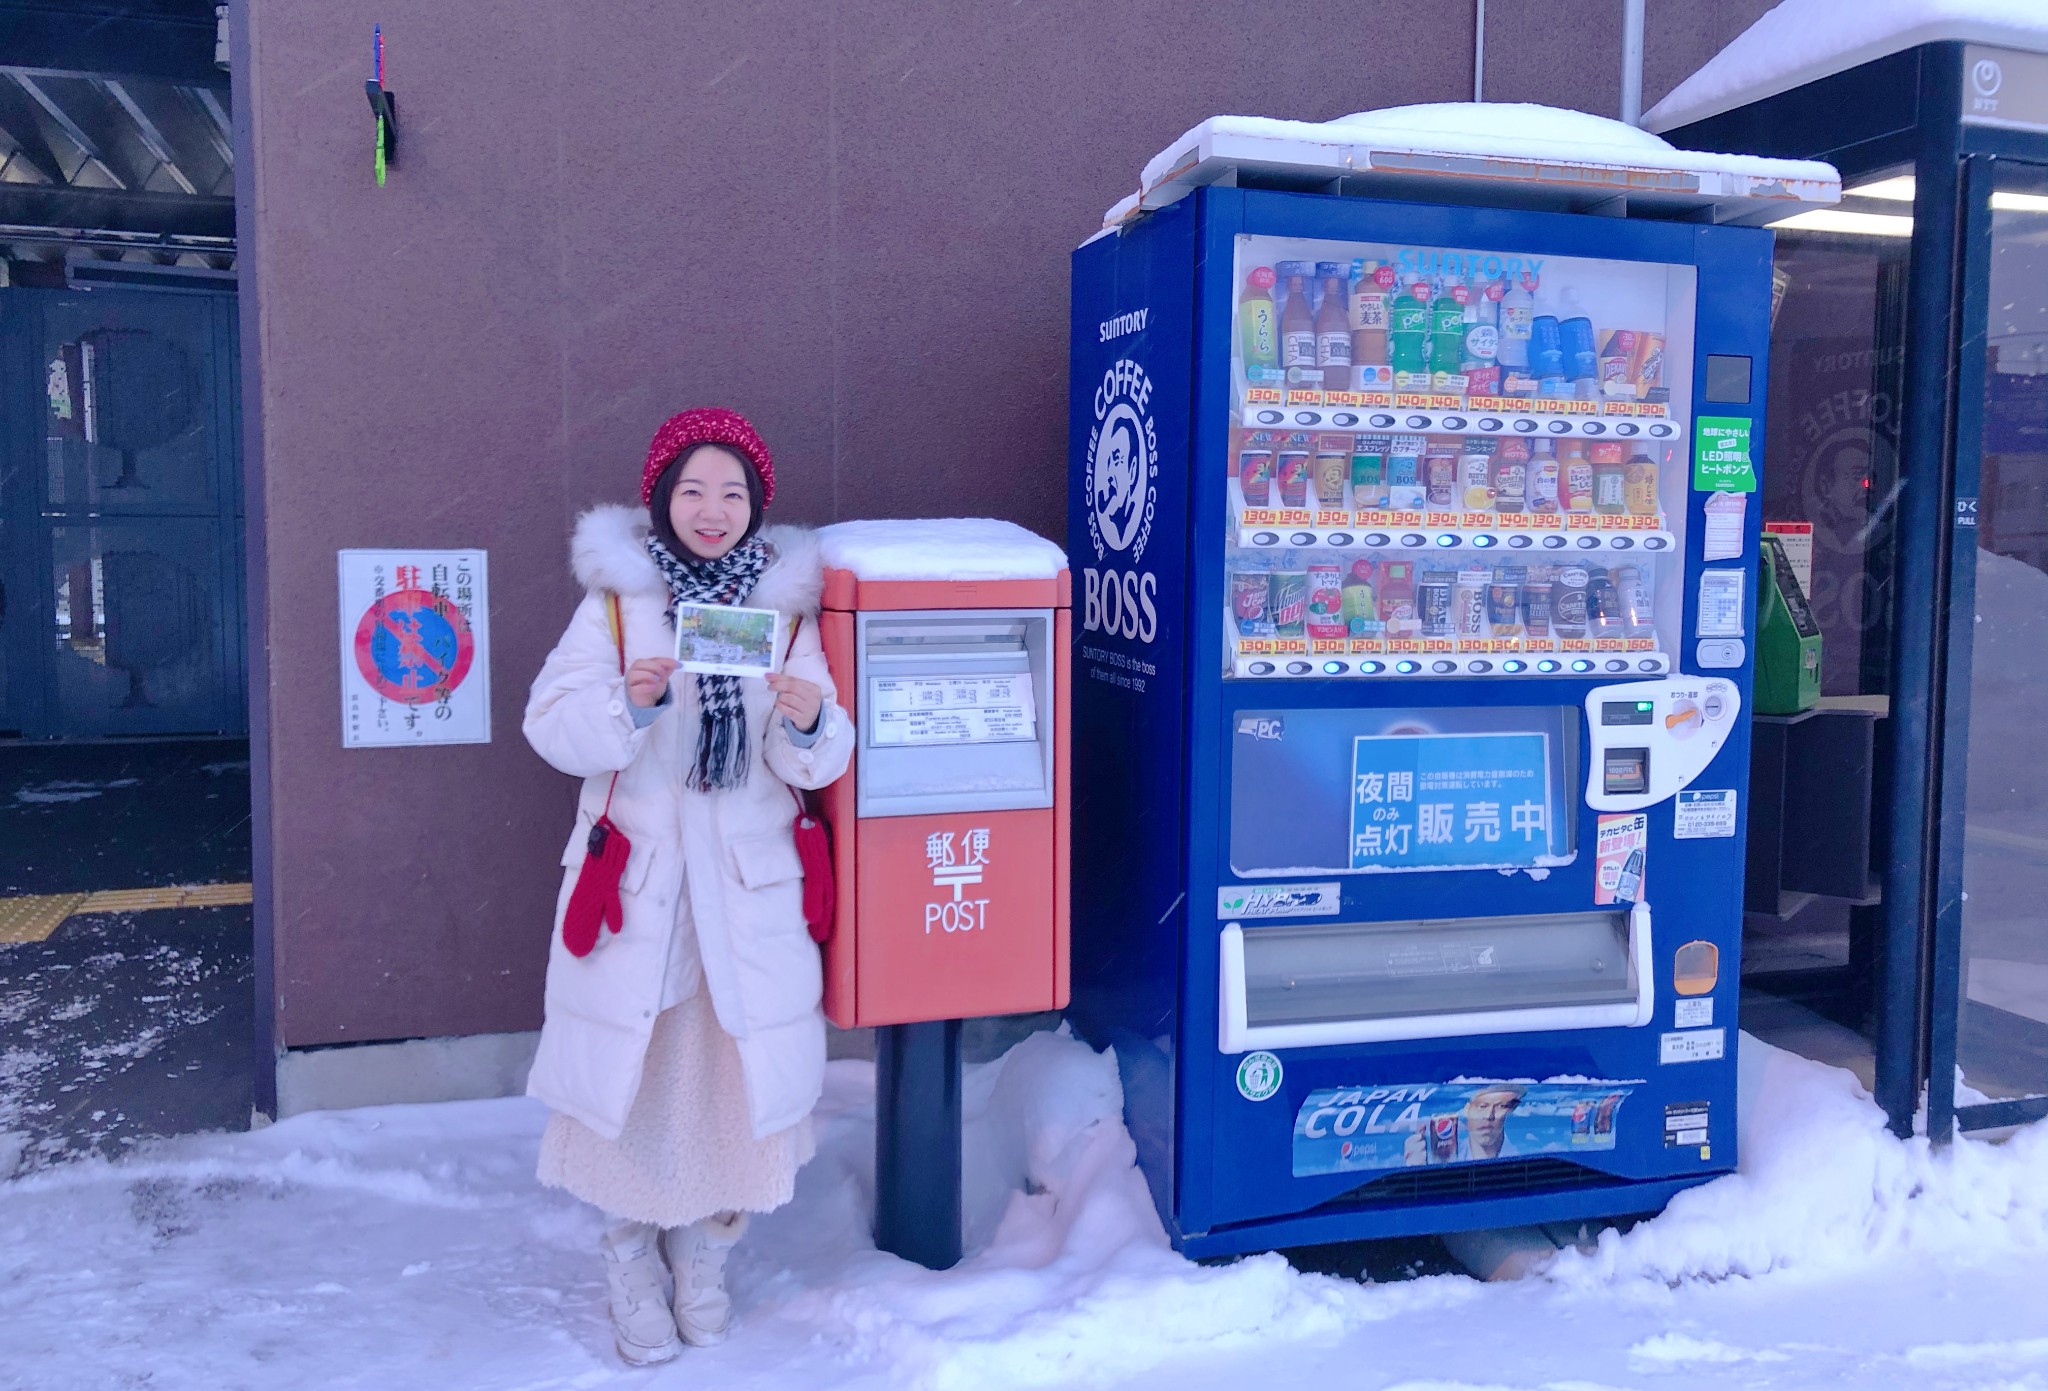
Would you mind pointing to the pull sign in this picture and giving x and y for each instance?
(1966, 512)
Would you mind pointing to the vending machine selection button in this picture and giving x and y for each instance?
(1520, 543)
(1483, 542)
(1454, 422)
(1271, 417)
(1589, 543)
(1303, 538)
(1335, 668)
(1418, 422)
(1340, 538)
(1552, 543)
(1414, 538)
(1617, 664)
(1407, 668)
(1265, 538)
(1446, 539)
(1650, 664)
(1481, 665)
(1307, 418)
(1547, 665)
(1377, 538)
(1443, 668)
(1594, 427)
(1344, 418)
(1660, 431)
(1654, 543)
(1559, 427)
(1261, 668)
(1581, 664)
(1512, 667)
(1490, 423)
(1622, 543)
(1383, 422)
(1372, 668)
(1299, 668)
(1524, 426)
(1628, 427)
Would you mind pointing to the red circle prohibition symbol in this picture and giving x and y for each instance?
(414, 647)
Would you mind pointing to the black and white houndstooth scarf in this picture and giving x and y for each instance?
(721, 760)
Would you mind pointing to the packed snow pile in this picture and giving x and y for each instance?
(1802, 40)
(1824, 1186)
(409, 1247)
(1071, 1255)
(940, 548)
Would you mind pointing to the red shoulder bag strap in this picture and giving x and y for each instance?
(813, 845)
(618, 625)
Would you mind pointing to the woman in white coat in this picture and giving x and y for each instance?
(682, 1056)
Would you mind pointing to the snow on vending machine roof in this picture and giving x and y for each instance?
(1501, 153)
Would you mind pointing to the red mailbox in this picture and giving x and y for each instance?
(949, 642)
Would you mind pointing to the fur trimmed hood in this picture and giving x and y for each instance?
(608, 553)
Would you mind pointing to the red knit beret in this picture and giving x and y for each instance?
(685, 430)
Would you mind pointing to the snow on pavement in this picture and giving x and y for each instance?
(409, 1246)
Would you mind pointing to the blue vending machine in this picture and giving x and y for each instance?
(1414, 553)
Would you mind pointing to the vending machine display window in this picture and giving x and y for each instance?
(1455, 461)
(1378, 791)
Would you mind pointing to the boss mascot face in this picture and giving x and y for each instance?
(1119, 496)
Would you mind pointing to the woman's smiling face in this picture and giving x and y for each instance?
(710, 507)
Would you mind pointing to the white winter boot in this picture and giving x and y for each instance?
(696, 1254)
(641, 1325)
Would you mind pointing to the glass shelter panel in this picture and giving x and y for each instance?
(1829, 493)
(2002, 1043)
(1455, 461)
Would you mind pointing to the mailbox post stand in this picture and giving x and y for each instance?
(917, 1142)
(950, 642)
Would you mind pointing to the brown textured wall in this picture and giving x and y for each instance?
(849, 218)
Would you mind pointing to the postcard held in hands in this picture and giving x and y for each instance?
(724, 641)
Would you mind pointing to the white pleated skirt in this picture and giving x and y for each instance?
(688, 1150)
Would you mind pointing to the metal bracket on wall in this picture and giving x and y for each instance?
(384, 106)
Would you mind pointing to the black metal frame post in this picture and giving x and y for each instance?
(1924, 515)
(917, 1142)
(1957, 604)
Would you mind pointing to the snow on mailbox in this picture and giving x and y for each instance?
(948, 640)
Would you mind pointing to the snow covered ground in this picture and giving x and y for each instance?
(410, 1247)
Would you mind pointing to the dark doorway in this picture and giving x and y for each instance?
(120, 515)
(126, 997)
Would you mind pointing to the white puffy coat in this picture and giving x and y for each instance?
(733, 850)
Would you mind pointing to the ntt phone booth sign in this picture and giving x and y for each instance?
(949, 643)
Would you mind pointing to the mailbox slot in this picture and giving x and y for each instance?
(954, 711)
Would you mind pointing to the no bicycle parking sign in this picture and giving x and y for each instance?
(415, 648)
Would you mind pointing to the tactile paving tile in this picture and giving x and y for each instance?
(218, 895)
(33, 917)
